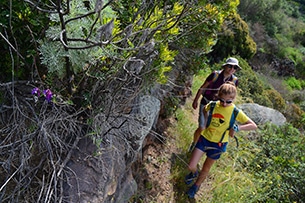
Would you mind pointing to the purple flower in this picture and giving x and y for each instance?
(48, 94)
(36, 91)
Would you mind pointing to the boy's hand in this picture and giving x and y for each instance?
(234, 129)
(231, 132)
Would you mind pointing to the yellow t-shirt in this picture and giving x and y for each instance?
(220, 122)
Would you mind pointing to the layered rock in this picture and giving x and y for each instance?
(101, 171)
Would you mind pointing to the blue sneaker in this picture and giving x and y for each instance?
(190, 177)
(192, 191)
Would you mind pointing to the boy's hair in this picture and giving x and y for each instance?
(227, 88)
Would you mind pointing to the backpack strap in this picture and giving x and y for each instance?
(216, 74)
(212, 106)
(234, 79)
(235, 112)
(233, 117)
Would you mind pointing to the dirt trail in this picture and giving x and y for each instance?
(157, 180)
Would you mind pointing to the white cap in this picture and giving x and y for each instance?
(232, 61)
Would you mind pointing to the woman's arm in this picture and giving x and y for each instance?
(199, 92)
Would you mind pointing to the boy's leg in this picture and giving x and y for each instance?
(192, 166)
(202, 176)
(208, 163)
(196, 155)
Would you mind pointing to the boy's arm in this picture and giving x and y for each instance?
(249, 125)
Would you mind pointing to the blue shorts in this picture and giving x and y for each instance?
(201, 116)
(212, 149)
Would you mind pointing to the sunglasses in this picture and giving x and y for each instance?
(232, 66)
(227, 102)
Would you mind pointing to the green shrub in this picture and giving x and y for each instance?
(293, 54)
(294, 83)
(251, 86)
(276, 99)
(262, 99)
(294, 115)
(302, 105)
(297, 96)
(302, 83)
(278, 164)
(235, 39)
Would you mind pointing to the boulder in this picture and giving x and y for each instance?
(261, 114)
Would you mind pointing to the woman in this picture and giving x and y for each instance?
(215, 136)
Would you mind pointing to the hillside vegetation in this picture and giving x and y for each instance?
(277, 27)
(70, 67)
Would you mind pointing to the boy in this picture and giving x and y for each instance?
(215, 136)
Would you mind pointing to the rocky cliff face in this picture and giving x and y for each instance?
(102, 173)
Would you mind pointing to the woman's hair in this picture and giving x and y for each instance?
(227, 88)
